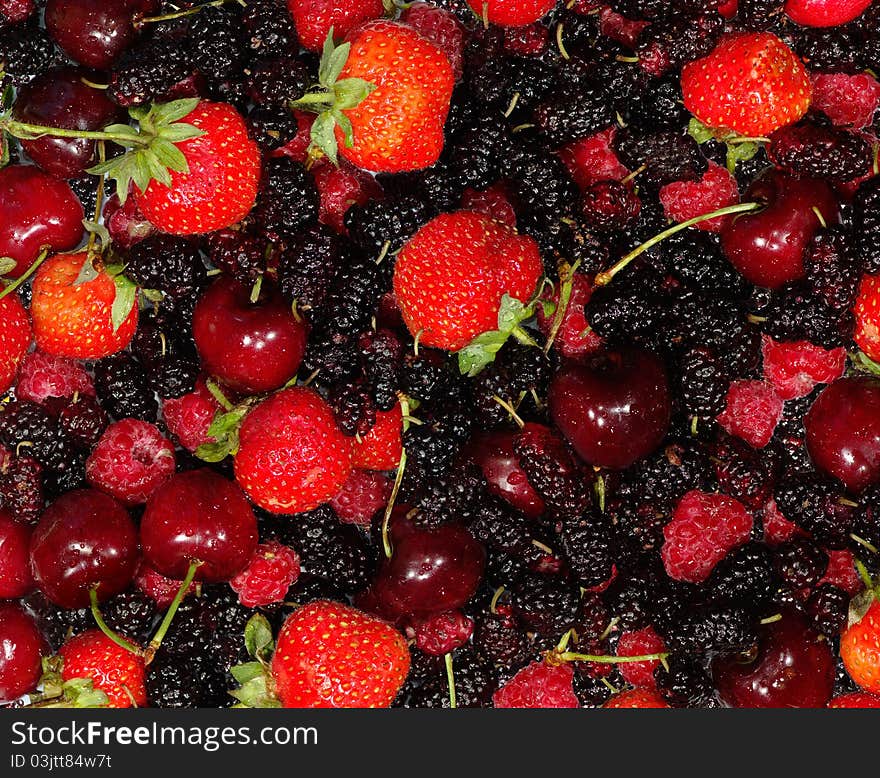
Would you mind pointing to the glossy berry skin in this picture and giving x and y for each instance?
(91, 32)
(292, 457)
(36, 210)
(113, 669)
(512, 13)
(843, 431)
(855, 700)
(15, 572)
(867, 311)
(330, 655)
(84, 539)
(792, 668)
(637, 698)
(199, 516)
(21, 648)
(430, 571)
(250, 347)
(15, 338)
(451, 276)
(614, 410)
(381, 447)
(767, 246)
(271, 571)
(60, 98)
(860, 650)
(539, 685)
(824, 13)
(315, 18)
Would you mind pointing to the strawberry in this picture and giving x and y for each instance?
(114, 670)
(824, 13)
(636, 698)
(381, 447)
(511, 13)
(15, 338)
(382, 99)
(79, 312)
(315, 19)
(330, 655)
(867, 311)
(860, 649)
(855, 700)
(292, 456)
(751, 83)
(452, 276)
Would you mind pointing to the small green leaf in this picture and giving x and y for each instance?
(699, 131)
(480, 352)
(324, 136)
(101, 231)
(167, 113)
(333, 61)
(226, 422)
(740, 152)
(247, 671)
(326, 54)
(864, 364)
(180, 131)
(86, 273)
(345, 125)
(511, 313)
(258, 637)
(7, 265)
(139, 112)
(169, 156)
(351, 92)
(224, 430)
(255, 694)
(4, 149)
(123, 302)
(81, 693)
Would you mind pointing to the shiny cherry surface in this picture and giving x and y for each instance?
(21, 648)
(15, 571)
(91, 32)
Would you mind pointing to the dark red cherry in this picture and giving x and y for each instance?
(15, 570)
(84, 539)
(493, 453)
(767, 246)
(60, 98)
(793, 667)
(613, 410)
(36, 210)
(199, 516)
(92, 32)
(251, 347)
(843, 431)
(430, 571)
(21, 649)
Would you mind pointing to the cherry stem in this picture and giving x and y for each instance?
(102, 625)
(450, 678)
(221, 398)
(157, 639)
(27, 274)
(180, 14)
(398, 479)
(604, 659)
(566, 275)
(511, 411)
(605, 278)
(25, 131)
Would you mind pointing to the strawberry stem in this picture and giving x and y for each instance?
(157, 639)
(102, 625)
(27, 274)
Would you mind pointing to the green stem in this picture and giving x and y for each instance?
(102, 625)
(181, 14)
(572, 656)
(313, 98)
(566, 275)
(450, 679)
(26, 131)
(27, 274)
(605, 278)
(523, 337)
(157, 639)
(386, 539)
(218, 395)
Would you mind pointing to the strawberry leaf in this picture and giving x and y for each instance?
(699, 131)
(351, 92)
(4, 149)
(255, 694)
(224, 430)
(258, 637)
(96, 228)
(168, 113)
(123, 302)
(87, 272)
(333, 60)
(481, 351)
(81, 693)
(246, 671)
(7, 265)
(864, 364)
(740, 152)
(324, 136)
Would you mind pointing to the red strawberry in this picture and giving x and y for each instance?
(539, 685)
(637, 698)
(855, 700)
(752, 83)
(273, 569)
(78, 320)
(867, 311)
(381, 447)
(824, 13)
(292, 456)
(114, 670)
(451, 276)
(512, 13)
(15, 338)
(860, 649)
(330, 655)
(314, 19)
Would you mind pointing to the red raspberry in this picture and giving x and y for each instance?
(131, 460)
(156, 586)
(339, 189)
(527, 41)
(729, 8)
(273, 569)
(297, 148)
(440, 28)
(855, 700)
(636, 698)
(641, 641)
(443, 633)
(189, 417)
(795, 367)
(593, 159)
(575, 336)
(752, 413)
(493, 202)
(778, 529)
(842, 572)
(848, 100)
(619, 28)
(125, 223)
(381, 447)
(42, 376)
(867, 311)
(16, 10)
(539, 685)
(704, 528)
(364, 493)
(683, 200)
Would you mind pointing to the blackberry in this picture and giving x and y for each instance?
(591, 691)
(501, 529)
(425, 378)
(271, 127)
(866, 223)
(26, 426)
(308, 264)
(640, 9)
(21, 487)
(638, 526)
(829, 49)
(288, 199)
(433, 446)
(353, 408)
(123, 388)
(549, 606)
(543, 190)
(668, 155)
(571, 241)
(148, 70)
(800, 563)
(686, 684)
(83, 420)
(759, 14)
(697, 262)
(185, 682)
(27, 51)
(828, 607)
(132, 614)
(621, 314)
(238, 254)
(440, 185)
(660, 107)
(703, 383)
(500, 642)
(664, 477)
(795, 313)
(744, 473)
(459, 496)
(475, 682)
(632, 595)
(380, 354)
(269, 28)
(814, 503)
(216, 42)
(171, 265)
(745, 576)
(587, 546)
(72, 475)
(719, 629)
(57, 624)
(866, 522)
(670, 43)
(566, 118)
(85, 188)
(383, 226)
(832, 267)
(501, 79)
(476, 152)
(518, 375)
(277, 82)
(821, 152)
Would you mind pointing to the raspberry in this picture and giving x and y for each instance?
(443, 633)
(867, 311)
(848, 100)
(156, 586)
(297, 148)
(189, 417)
(619, 28)
(493, 202)
(339, 188)
(381, 447)
(778, 529)
(440, 28)
(131, 459)
(841, 572)
(855, 700)
(642, 641)
(42, 376)
(593, 159)
(683, 200)
(364, 493)
(539, 685)
(527, 41)
(752, 413)
(704, 528)
(637, 698)
(273, 569)
(575, 336)
(795, 367)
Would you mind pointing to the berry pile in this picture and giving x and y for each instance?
(441, 354)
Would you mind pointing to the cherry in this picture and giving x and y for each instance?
(21, 647)
(493, 453)
(843, 431)
(61, 98)
(15, 572)
(199, 516)
(92, 32)
(792, 667)
(429, 572)
(251, 347)
(767, 246)
(36, 210)
(615, 409)
(85, 539)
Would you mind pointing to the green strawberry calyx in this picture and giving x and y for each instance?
(330, 97)
(740, 148)
(254, 678)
